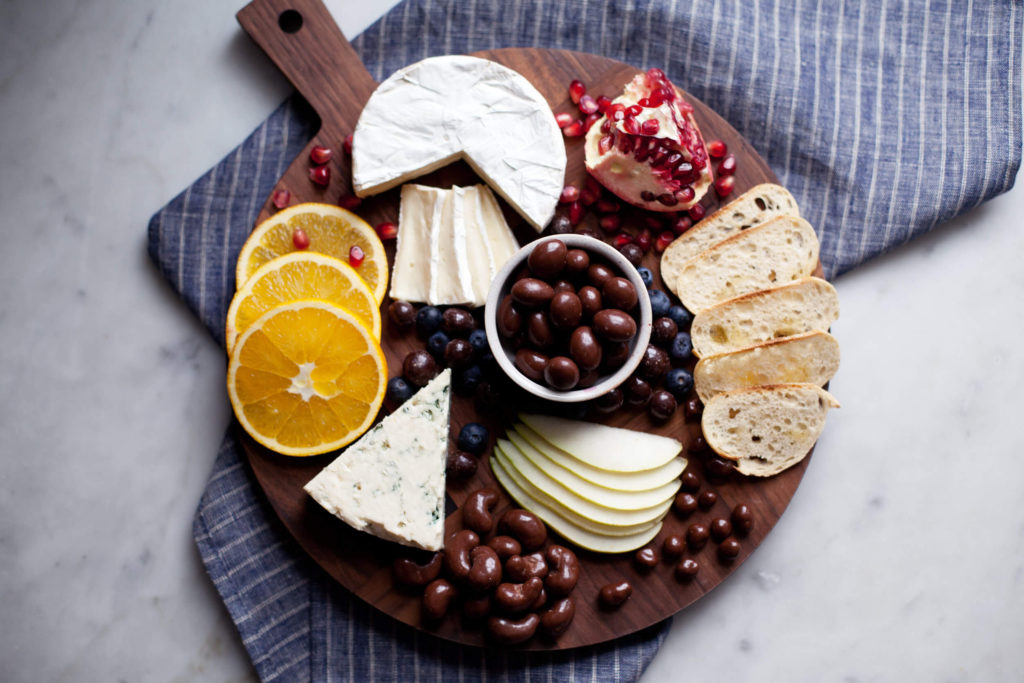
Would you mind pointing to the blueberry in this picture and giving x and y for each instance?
(681, 347)
(437, 343)
(681, 316)
(466, 380)
(659, 303)
(478, 339)
(678, 382)
(647, 276)
(428, 320)
(399, 391)
(473, 438)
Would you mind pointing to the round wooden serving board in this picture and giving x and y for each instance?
(327, 72)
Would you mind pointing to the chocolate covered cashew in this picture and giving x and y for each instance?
(485, 568)
(519, 568)
(476, 511)
(511, 631)
(564, 571)
(505, 546)
(437, 597)
(518, 597)
(525, 526)
(407, 572)
(456, 553)
(556, 619)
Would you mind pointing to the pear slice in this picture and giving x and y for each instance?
(600, 495)
(604, 447)
(622, 481)
(574, 534)
(536, 479)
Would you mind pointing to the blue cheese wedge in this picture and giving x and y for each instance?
(391, 482)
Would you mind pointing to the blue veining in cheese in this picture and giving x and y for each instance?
(391, 482)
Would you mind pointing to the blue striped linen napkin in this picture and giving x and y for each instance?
(883, 117)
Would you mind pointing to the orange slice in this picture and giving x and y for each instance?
(296, 276)
(306, 378)
(330, 230)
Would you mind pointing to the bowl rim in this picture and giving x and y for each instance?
(500, 285)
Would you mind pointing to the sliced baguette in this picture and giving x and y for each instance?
(809, 358)
(793, 308)
(757, 205)
(767, 429)
(779, 251)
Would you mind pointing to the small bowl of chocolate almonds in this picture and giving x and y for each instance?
(568, 318)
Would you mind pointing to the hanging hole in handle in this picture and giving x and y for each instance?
(290, 21)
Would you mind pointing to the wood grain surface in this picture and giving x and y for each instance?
(325, 69)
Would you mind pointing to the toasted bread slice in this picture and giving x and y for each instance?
(767, 429)
(779, 251)
(757, 205)
(809, 358)
(793, 308)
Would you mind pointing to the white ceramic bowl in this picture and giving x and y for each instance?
(505, 354)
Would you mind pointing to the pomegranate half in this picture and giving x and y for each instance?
(647, 148)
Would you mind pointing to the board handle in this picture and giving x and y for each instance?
(305, 43)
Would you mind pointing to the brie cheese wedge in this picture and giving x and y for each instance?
(440, 109)
(451, 244)
(391, 482)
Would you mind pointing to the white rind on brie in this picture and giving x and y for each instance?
(391, 482)
(435, 111)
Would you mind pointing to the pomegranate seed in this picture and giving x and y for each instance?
(573, 130)
(668, 199)
(644, 102)
(610, 223)
(300, 239)
(356, 256)
(727, 166)
(650, 127)
(682, 224)
(603, 102)
(617, 111)
(647, 196)
(656, 74)
(590, 183)
(717, 149)
(321, 175)
(685, 195)
(653, 222)
(570, 193)
(643, 149)
(588, 105)
(387, 230)
(590, 121)
(685, 172)
(696, 212)
(664, 239)
(563, 119)
(576, 91)
(634, 110)
(347, 145)
(320, 154)
(643, 240)
(605, 144)
(281, 198)
(606, 127)
(631, 126)
(575, 213)
(609, 206)
(626, 144)
(349, 201)
(588, 196)
(724, 185)
(656, 99)
(622, 239)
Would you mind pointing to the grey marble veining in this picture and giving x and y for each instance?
(901, 557)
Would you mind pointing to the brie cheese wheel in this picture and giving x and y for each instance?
(440, 109)
(451, 244)
(390, 483)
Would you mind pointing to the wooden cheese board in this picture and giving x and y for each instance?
(305, 43)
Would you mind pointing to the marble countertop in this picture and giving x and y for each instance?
(901, 556)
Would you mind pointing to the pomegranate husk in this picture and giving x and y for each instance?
(638, 167)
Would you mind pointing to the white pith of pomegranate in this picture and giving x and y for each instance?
(647, 148)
